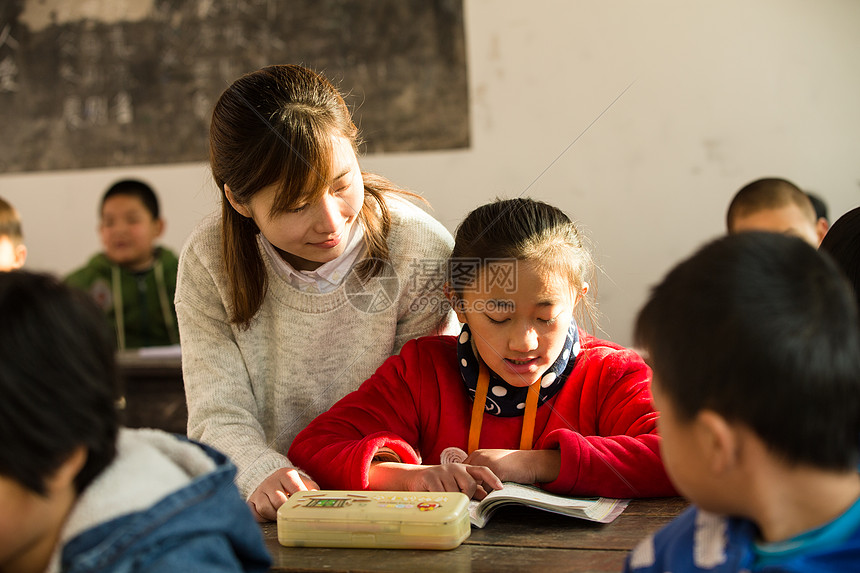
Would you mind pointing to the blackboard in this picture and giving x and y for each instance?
(131, 82)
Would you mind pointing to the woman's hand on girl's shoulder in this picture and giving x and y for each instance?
(275, 490)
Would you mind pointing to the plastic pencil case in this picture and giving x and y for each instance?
(379, 519)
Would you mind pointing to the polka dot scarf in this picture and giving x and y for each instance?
(504, 399)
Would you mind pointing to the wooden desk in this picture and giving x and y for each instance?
(515, 539)
(154, 391)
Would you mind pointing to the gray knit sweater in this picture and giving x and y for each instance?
(250, 392)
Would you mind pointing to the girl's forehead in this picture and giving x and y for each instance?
(512, 277)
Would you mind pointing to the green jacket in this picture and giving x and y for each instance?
(147, 316)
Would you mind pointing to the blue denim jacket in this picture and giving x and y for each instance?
(204, 526)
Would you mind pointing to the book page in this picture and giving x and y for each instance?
(600, 509)
(530, 495)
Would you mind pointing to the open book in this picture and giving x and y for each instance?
(599, 509)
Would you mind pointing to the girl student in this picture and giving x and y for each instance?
(523, 394)
(309, 278)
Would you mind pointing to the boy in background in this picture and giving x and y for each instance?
(774, 205)
(13, 253)
(132, 280)
(755, 348)
(79, 493)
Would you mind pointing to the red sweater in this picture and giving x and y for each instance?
(417, 405)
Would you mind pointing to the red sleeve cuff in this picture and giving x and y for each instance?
(568, 473)
(373, 443)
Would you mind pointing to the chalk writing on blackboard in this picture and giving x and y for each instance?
(131, 82)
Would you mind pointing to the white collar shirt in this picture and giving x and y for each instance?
(328, 276)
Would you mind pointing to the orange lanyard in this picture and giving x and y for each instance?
(480, 402)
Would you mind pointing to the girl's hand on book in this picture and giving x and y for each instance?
(474, 481)
(520, 466)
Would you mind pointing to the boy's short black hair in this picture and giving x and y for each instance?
(762, 329)
(135, 188)
(58, 381)
(767, 193)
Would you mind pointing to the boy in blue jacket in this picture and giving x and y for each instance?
(78, 492)
(755, 350)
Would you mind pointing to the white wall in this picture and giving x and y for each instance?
(708, 95)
